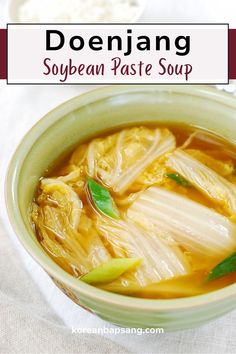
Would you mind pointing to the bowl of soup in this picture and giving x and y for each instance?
(126, 197)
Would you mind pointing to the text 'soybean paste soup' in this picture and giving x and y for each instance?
(145, 211)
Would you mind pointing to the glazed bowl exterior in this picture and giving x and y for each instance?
(83, 117)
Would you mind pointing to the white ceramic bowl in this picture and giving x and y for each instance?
(14, 5)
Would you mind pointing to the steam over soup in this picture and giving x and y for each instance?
(146, 211)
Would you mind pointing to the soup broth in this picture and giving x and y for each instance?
(146, 211)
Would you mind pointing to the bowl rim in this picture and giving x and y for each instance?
(92, 293)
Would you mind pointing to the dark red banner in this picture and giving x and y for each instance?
(3, 54)
(232, 54)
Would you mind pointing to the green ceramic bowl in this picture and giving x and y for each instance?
(85, 116)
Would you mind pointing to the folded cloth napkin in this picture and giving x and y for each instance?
(28, 324)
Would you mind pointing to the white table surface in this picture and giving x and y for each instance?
(22, 106)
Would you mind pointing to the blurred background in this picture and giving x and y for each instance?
(118, 10)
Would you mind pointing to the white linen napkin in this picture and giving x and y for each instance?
(28, 324)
